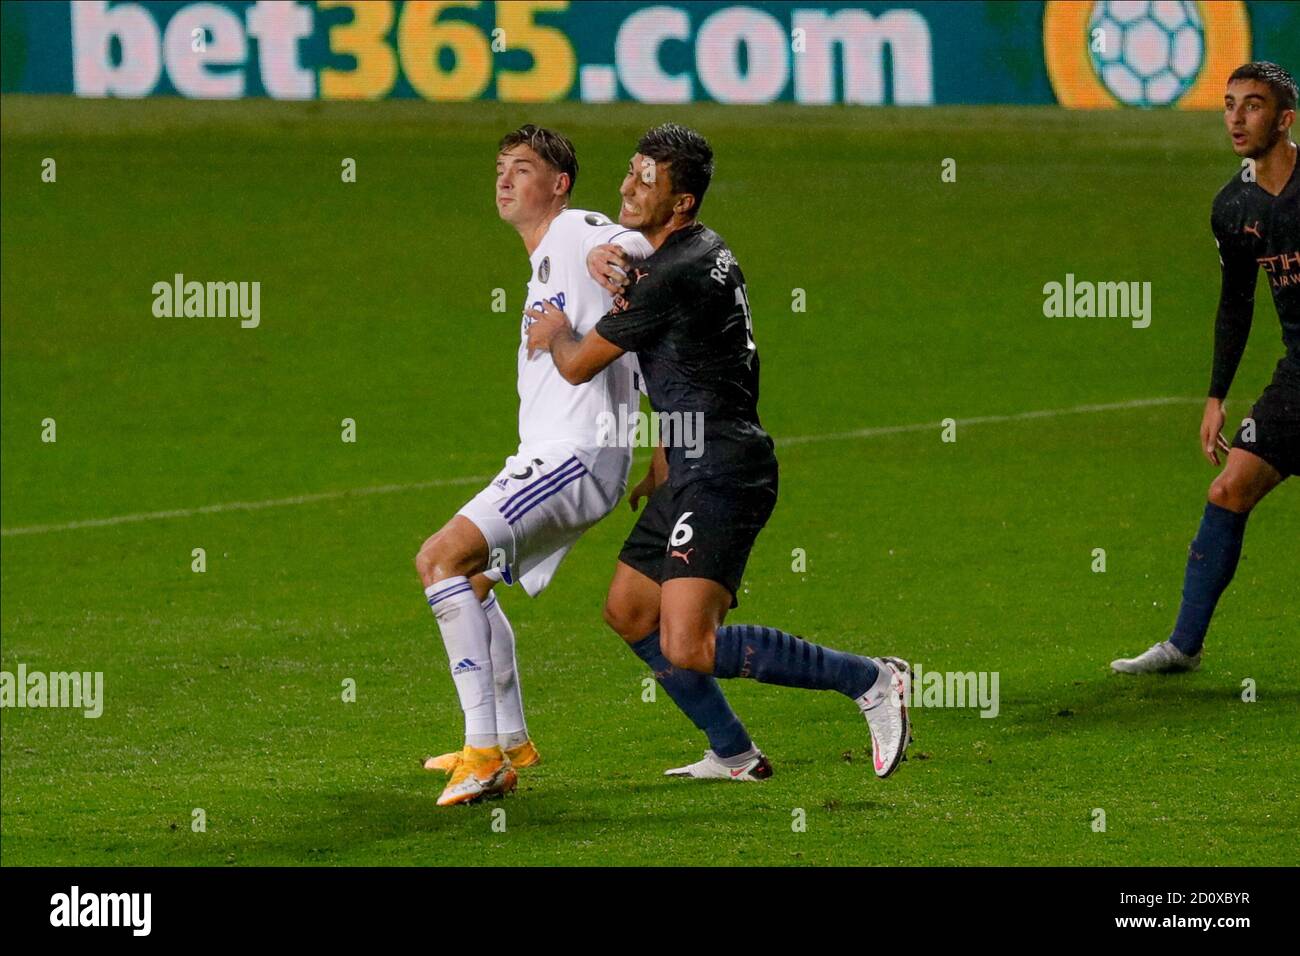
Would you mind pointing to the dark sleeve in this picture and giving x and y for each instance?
(1236, 309)
(641, 317)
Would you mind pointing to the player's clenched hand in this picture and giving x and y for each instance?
(644, 489)
(1212, 440)
(608, 265)
(547, 323)
(655, 476)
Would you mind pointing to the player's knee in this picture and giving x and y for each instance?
(437, 561)
(614, 617)
(688, 658)
(427, 563)
(687, 650)
(424, 563)
(1231, 493)
(629, 623)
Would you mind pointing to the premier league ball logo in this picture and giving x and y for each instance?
(1146, 53)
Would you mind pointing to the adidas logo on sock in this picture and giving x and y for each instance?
(465, 664)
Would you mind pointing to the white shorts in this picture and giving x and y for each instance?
(540, 504)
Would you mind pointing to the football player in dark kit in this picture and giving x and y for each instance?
(1256, 223)
(685, 313)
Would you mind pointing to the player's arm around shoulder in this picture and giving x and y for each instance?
(578, 359)
(608, 264)
(611, 255)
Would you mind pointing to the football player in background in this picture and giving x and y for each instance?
(1256, 223)
(685, 314)
(558, 483)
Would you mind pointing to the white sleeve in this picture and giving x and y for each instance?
(636, 245)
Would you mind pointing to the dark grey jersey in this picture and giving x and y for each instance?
(1255, 231)
(686, 316)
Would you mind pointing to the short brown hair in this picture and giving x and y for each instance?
(553, 147)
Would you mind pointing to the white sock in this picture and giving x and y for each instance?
(511, 729)
(465, 632)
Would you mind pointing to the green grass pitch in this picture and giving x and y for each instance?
(924, 302)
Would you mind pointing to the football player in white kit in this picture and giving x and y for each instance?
(560, 482)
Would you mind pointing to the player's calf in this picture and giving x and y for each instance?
(512, 729)
(445, 562)
(772, 656)
(632, 611)
(1211, 563)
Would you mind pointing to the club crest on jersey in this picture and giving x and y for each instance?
(544, 270)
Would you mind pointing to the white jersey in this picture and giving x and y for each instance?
(551, 411)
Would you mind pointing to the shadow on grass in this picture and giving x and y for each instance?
(401, 825)
(1124, 701)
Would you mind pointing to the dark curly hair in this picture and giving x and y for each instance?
(688, 155)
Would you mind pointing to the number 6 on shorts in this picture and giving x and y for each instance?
(682, 532)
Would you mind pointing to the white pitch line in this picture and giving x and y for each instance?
(986, 420)
(242, 506)
(483, 479)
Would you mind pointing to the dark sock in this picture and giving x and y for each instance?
(1211, 562)
(775, 657)
(699, 697)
